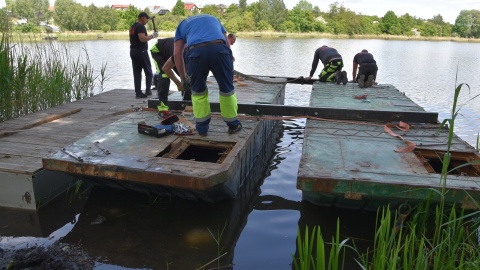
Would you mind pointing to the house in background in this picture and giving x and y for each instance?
(158, 10)
(120, 7)
(190, 6)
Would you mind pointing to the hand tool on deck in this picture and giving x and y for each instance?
(168, 118)
(105, 151)
(71, 155)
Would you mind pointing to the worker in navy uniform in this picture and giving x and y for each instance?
(162, 52)
(332, 65)
(367, 73)
(139, 55)
(207, 50)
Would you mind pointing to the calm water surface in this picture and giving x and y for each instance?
(148, 233)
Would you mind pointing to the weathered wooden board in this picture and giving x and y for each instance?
(95, 113)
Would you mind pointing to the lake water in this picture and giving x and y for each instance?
(140, 233)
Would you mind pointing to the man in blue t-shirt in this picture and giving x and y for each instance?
(139, 55)
(207, 50)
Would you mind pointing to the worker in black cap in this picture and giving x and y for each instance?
(139, 55)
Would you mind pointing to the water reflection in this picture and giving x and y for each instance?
(261, 230)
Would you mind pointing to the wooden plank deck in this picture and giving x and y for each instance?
(41, 140)
(24, 141)
(354, 164)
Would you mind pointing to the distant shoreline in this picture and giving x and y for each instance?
(123, 35)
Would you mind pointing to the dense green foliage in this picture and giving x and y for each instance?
(258, 16)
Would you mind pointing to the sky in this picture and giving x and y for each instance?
(425, 9)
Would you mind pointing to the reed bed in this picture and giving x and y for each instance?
(37, 76)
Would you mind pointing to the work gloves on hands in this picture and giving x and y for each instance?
(186, 85)
(155, 34)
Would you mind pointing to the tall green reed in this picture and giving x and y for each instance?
(312, 250)
(36, 76)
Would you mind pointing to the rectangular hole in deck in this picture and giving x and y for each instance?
(433, 162)
(197, 150)
(202, 154)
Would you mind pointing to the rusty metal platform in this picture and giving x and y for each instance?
(355, 164)
(213, 170)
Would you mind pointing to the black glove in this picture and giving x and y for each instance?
(187, 88)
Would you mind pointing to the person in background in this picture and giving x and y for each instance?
(231, 39)
(162, 53)
(332, 66)
(208, 50)
(367, 73)
(139, 55)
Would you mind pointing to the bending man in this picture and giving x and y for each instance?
(332, 65)
(207, 50)
(162, 53)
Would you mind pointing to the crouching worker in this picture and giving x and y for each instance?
(162, 54)
(332, 66)
(367, 73)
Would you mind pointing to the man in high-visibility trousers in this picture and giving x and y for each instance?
(207, 50)
(162, 54)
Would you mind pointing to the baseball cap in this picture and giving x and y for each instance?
(143, 14)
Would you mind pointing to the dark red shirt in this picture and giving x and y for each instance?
(135, 42)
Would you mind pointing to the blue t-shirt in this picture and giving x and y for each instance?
(200, 28)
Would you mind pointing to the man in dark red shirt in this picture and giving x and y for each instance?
(139, 55)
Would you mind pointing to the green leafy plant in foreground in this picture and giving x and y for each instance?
(312, 250)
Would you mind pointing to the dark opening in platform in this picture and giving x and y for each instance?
(460, 163)
(197, 150)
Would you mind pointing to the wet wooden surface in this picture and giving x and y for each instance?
(22, 149)
(383, 97)
(141, 159)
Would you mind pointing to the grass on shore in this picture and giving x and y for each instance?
(123, 35)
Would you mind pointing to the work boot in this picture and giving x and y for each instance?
(140, 95)
(369, 81)
(361, 81)
(344, 78)
(233, 130)
(338, 76)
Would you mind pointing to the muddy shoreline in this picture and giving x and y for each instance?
(56, 256)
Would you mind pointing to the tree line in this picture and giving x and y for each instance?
(262, 15)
